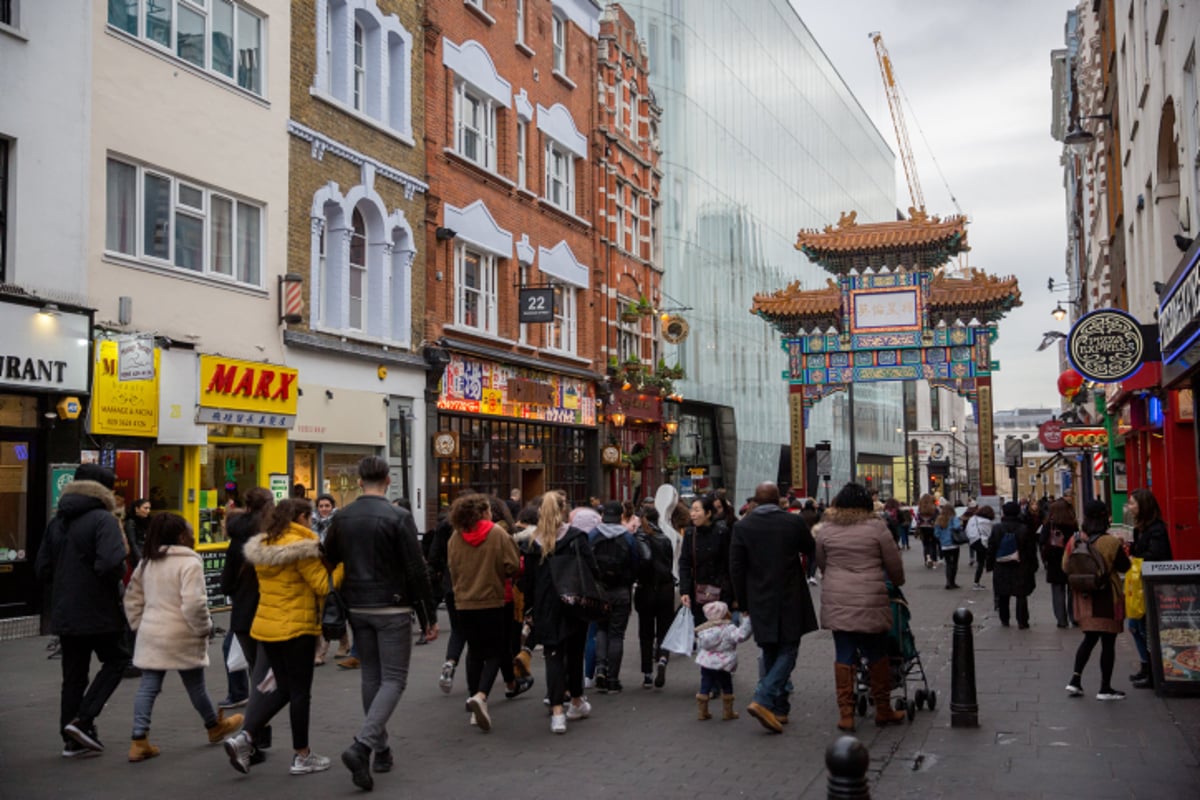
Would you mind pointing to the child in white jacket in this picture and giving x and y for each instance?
(716, 645)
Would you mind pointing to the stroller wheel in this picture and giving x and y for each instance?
(900, 704)
(862, 705)
(931, 699)
(919, 698)
(911, 709)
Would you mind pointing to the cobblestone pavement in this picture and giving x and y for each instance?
(1032, 741)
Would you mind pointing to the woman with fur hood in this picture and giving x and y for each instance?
(168, 608)
(292, 584)
(857, 554)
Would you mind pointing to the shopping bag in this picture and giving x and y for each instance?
(236, 660)
(681, 636)
(267, 684)
(1135, 595)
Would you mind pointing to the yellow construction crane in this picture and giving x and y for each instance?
(893, 98)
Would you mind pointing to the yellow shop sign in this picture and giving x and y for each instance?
(122, 408)
(247, 386)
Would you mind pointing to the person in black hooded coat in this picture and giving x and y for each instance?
(1013, 576)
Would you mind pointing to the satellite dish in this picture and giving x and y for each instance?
(676, 329)
(665, 500)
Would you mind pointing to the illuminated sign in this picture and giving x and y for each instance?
(265, 389)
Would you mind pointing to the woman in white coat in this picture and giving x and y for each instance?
(167, 605)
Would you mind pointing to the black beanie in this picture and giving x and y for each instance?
(94, 472)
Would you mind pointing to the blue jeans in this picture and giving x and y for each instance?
(151, 685)
(384, 643)
(775, 676)
(1137, 628)
(715, 678)
(848, 644)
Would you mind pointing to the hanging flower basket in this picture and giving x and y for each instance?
(630, 314)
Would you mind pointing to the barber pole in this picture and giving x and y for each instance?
(291, 298)
(1097, 464)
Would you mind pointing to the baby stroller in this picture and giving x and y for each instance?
(905, 662)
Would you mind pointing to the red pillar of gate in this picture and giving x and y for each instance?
(799, 455)
(987, 453)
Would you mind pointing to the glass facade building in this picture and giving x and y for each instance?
(760, 138)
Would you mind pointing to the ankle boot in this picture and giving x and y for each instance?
(844, 674)
(727, 705)
(702, 707)
(141, 749)
(881, 690)
(225, 727)
(1144, 679)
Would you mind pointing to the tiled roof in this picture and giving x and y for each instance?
(795, 302)
(920, 241)
(981, 289)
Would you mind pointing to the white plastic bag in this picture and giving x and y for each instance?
(236, 660)
(267, 685)
(681, 636)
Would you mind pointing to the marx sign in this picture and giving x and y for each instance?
(265, 391)
(1106, 346)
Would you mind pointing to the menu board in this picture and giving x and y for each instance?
(1173, 613)
(214, 565)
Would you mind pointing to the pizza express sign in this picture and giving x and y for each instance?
(1106, 346)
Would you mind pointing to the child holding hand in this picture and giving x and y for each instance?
(716, 642)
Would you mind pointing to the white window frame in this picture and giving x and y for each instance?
(358, 88)
(486, 291)
(522, 153)
(559, 181)
(559, 36)
(203, 213)
(629, 334)
(477, 4)
(523, 327)
(520, 15)
(627, 218)
(465, 93)
(562, 334)
(205, 8)
(363, 275)
(634, 119)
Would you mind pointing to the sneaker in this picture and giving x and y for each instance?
(1074, 689)
(229, 702)
(581, 711)
(383, 761)
(85, 735)
(615, 687)
(1110, 694)
(558, 723)
(589, 683)
(478, 706)
(601, 681)
(446, 681)
(660, 674)
(357, 759)
(647, 681)
(812, 581)
(523, 685)
(239, 749)
(73, 749)
(978, 587)
(303, 765)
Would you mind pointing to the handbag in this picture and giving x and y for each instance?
(333, 616)
(681, 636)
(705, 592)
(958, 534)
(576, 586)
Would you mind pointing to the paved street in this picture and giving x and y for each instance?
(1033, 741)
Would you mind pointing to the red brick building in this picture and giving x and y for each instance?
(509, 111)
(627, 210)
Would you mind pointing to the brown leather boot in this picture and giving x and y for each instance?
(225, 727)
(881, 690)
(727, 705)
(844, 673)
(141, 749)
(702, 707)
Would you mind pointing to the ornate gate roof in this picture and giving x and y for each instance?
(919, 242)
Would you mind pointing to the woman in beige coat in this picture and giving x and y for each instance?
(167, 606)
(856, 554)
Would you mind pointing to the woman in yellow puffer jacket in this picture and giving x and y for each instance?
(292, 584)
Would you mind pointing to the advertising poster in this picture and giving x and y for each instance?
(214, 564)
(1173, 604)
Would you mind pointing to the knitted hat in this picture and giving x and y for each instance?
(716, 610)
(94, 472)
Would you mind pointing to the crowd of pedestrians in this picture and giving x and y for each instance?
(567, 581)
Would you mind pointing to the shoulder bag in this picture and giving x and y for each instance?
(333, 617)
(576, 586)
(705, 592)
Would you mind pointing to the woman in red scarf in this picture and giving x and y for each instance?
(481, 557)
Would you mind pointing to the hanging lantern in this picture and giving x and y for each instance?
(1069, 384)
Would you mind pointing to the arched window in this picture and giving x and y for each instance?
(358, 270)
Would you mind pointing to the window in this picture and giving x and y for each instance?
(182, 224)
(475, 295)
(213, 35)
(562, 332)
(360, 73)
(520, 21)
(522, 136)
(560, 44)
(523, 328)
(358, 269)
(3, 210)
(627, 218)
(477, 3)
(363, 62)
(629, 334)
(634, 119)
(7, 12)
(560, 176)
(475, 126)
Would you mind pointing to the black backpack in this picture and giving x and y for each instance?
(655, 559)
(614, 557)
(1086, 569)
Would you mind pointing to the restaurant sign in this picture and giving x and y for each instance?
(246, 393)
(488, 388)
(1106, 346)
(1179, 311)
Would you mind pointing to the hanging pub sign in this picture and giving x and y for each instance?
(1050, 434)
(535, 305)
(1106, 346)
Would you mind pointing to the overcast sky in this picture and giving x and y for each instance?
(977, 76)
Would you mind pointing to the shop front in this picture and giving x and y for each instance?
(502, 426)
(44, 380)
(639, 439)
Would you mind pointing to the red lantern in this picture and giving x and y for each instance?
(1069, 383)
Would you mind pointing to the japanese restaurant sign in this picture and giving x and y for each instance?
(484, 387)
(1173, 613)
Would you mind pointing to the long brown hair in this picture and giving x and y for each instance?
(165, 529)
(1062, 516)
(1148, 509)
(286, 512)
(927, 506)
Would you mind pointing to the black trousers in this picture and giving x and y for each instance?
(291, 662)
(655, 607)
(1108, 655)
(79, 699)
(1022, 609)
(950, 554)
(564, 666)
(486, 632)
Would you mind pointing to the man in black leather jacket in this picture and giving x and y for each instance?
(385, 582)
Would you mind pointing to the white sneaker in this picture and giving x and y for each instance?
(589, 683)
(446, 680)
(558, 723)
(478, 706)
(1075, 690)
(581, 711)
(1110, 694)
(302, 765)
(812, 581)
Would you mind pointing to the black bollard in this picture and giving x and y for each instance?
(847, 760)
(964, 708)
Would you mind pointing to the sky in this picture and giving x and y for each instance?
(977, 77)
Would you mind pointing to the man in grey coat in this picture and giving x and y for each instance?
(768, 582)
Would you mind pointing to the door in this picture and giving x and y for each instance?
(17, 483)
(533, 482)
